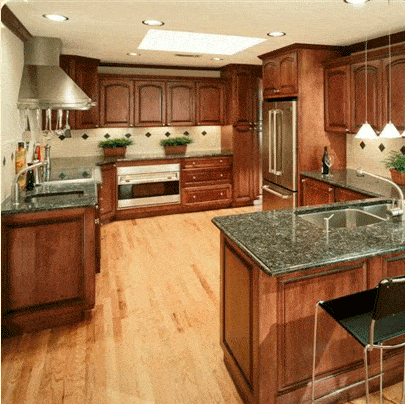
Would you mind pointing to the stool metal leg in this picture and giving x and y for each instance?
(381, 375)
(314, 353)
(366, 369)
(403, 384)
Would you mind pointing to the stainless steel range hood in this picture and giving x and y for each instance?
(44, 84)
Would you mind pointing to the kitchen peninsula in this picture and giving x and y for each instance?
(274, 268)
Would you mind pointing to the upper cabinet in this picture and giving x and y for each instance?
(337, 85)
(394, 95)
(150, 103)
(210, 103)
(135, 101)
(116, 102)
(349, 102)
(84, 72)
(280, 76)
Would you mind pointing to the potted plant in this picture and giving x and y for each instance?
(396, 164)
(115, 147)
(176, 145)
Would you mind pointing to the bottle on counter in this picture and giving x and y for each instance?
(20, 163)
(325, 161)
(30, 179)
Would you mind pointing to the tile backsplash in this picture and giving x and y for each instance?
(369, 154)
(145, 140)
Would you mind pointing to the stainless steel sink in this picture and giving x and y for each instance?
(30, 198)
(349, 217)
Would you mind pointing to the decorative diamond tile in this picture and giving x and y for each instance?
(167, 134)
(128, 135)
(185, 133)
(85, 137)
(85, 174)
(402, 149)
(4, 161)
(12, 156)
(381, 147)
(204, 133)
(148, 134)
(61, 137)
(362, 145)
(107, 136)
(62, 176)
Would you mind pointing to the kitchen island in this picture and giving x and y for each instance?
(274, 268)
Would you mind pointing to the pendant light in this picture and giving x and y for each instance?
(366, 131)
(389, 131)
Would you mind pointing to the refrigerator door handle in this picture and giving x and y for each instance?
(272, 191)
(276, 139)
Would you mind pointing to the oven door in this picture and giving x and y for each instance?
(151, 190)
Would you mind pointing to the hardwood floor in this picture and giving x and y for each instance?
(153, 337)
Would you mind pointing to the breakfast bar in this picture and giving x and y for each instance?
(275, 266)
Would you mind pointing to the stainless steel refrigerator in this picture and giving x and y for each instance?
(279, 154)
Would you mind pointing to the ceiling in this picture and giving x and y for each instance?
(108, 30)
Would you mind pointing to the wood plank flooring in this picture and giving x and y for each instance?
(153, 337)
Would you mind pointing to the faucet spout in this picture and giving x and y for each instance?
(400, 209)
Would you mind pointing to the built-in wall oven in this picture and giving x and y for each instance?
(148, 185)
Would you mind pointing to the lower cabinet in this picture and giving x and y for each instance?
(206, 182)
(314, 192)
(107, 193)
(267, 328)
(48, 268)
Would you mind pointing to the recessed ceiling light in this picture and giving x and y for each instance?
(356, 2)
(155, 23)
(191, 42)
(276, 34)
(55, 17)
(183, 55)
(217, 59)
(133, 54)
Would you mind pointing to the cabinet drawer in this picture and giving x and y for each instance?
(207, 162)
(204, 176)
(206, 194)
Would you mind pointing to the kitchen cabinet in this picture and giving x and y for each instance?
(337, 93)
(107, 199)
(210, 103)
(48, 268)
(150, 103)
(394, 110)
(206, 182)
(358, 95)
(180, 103)
(127, 101)
(314, 192)
(116, 102)
(280, 76)
(241, 135)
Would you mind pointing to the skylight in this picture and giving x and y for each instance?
(190, 42)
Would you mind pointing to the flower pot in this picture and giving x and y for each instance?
(170, 150)
(114, 151)
(397, 176)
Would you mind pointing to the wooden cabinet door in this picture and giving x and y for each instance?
(359, 115)
(288, 75)
(243, 107)
(270, 78)
(107, 195)
(316, 192)
(394, 95)
(181, 103)
(87, 79)
(210, 103)
(243, 189)
(337, 99)
(116, 103)
(150, 103)
(343, 194)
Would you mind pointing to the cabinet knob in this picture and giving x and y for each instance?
(194, 177)
(330, 189)
(221, 161)
(222, 194)
(194, 197)
(221, 175)
(303, 180)
(193, 163)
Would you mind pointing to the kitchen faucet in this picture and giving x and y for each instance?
(395, 211)
(47, 174)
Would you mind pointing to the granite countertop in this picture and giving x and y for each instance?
(281, 242)
(348, 178)
(72, 194)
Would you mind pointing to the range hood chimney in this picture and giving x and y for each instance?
(44, 84)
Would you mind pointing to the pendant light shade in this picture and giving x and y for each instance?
(366, 132)
(390, 132)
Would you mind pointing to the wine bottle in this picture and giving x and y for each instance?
(325, 161)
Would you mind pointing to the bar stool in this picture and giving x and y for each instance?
(372, 317)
